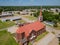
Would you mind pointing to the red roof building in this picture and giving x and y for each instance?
(30, 31)
(28, 28)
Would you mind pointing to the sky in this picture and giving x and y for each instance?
(29, 2)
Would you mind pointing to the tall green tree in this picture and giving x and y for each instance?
(36, 14)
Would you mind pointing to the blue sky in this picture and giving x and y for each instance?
(29, 2)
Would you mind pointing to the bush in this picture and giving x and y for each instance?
(0, 21)
(55, 23)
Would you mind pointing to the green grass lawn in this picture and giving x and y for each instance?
(29, 43)
(6, 38)
(6, 24)
(16, 14)
(41, 36)
(22, 21)
(30, 17)
(59, 43)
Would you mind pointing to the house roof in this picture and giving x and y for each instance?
(29, 27)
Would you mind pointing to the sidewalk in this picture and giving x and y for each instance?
(12, 29)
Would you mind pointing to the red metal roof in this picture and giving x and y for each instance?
(29, 27)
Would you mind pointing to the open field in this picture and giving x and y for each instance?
(16, 14)
(6, 24)
(22, 21)
(30, 17)
(6, 38)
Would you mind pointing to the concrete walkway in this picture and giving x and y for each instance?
(47, 39)
(12, 29)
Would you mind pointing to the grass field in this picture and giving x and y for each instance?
(6, 24)
(30, 17)
(22, 21)
(16, 14)
(6, 38)
(29, 43)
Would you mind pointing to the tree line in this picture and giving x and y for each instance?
(18, 8)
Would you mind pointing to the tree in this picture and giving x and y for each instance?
(56, 10)
(1, 10)
(50, 19)
(36, 14)
(55, 23)
(18, 13)
(48, 16)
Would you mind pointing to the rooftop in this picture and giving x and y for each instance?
(29, 27)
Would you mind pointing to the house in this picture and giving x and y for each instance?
(28, 12)
(23, 13)
(13, 18)
(58, 9)
(16, 12)
(55, 10)
(29, 32)
(6, 14)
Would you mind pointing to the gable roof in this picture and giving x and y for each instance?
(32, 26)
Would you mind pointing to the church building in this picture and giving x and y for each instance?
(29, 32)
